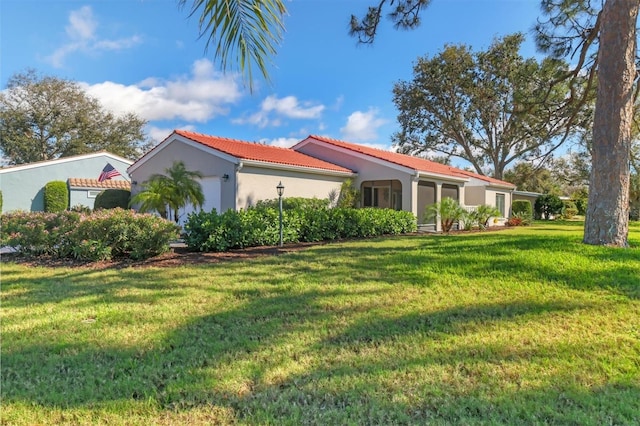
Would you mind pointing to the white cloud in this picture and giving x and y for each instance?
(158, 134)
(82, 37)
(81, 26)
(281, 142)
(363, 126)
(273, 110)
(199, 97)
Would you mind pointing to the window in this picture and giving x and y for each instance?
(92, 194)
(500, 204)
(383, 194)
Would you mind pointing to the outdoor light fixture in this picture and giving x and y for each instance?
(280, 189)
(225, 177)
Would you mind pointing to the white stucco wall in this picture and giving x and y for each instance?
(209, 165)
(257, 183)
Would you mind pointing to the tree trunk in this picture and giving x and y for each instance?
(607, 219)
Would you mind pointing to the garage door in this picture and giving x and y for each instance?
(211, 189)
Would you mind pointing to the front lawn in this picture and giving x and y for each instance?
(522, 326)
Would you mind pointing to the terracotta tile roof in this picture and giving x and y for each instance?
(416, 163)
(488, 179)
(258, 152)
(94, 184)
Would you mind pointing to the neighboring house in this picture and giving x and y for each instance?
(527, 196)
(404, 182)
(83, 191)
(23, 185)
(238, 174)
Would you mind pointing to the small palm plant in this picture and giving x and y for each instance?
(448, 211)
(482, 214)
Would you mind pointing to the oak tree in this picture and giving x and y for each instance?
(44, 118)
(489, 108)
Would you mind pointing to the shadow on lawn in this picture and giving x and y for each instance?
(560, 260)
(224, 360)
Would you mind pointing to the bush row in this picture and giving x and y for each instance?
(102, 235)
(259, 225)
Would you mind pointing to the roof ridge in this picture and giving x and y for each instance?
(235, 140)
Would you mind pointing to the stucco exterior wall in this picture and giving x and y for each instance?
(81, 197)
(367, 170)
(194, 159)
(474, 195)
(257, 183)
(23, 186)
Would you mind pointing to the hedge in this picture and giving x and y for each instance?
(520, 207)
(56, 196)
(112, 198)
(102, 235)
(257, 226)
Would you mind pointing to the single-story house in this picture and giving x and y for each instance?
(527, 196)
(23, 185)
(237, 174)
(404, 182)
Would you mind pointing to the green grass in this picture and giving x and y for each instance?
(523, 326)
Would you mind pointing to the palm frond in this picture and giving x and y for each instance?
(244, 32)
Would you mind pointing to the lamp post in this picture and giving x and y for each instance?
(280, 189)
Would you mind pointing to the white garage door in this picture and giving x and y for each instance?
(211, 189)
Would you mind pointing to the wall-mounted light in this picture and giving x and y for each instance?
(134, 182)
(225, 177)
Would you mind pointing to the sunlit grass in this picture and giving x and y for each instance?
(525, 325)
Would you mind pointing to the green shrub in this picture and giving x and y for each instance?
(294, 203)
(100, 236)
(79, 208)
(519, 219)
(257, 226)
(112, 198)
(0, 201)
(548, 205)
(480, 217)
(56, 196)
(522, 207)
(569, 210)
(36, 233)
(126, 233)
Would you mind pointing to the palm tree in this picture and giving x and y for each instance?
(448, 211)
(169, 193)
(183, 187)
(153, 197)
(248, 31)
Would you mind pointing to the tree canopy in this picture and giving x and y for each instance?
(490, 108)
(44, 118)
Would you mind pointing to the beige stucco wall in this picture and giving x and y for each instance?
(371, 170)
(474, 195)
(257, 183)
(194, 159)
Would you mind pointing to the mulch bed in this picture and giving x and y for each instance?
(176, 257)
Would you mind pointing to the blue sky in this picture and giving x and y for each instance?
(145, 56)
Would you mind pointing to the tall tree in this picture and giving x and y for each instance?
(603, 41)
(526, 177)
(490, 108)
(405, 14)
(44, 118)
